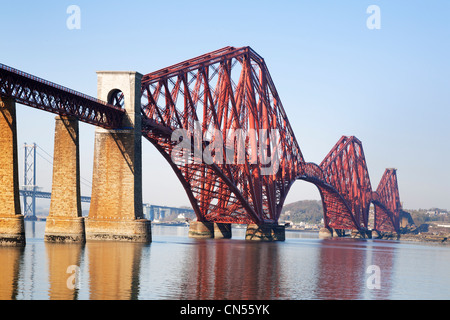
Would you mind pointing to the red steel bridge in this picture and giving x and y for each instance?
(223, 91)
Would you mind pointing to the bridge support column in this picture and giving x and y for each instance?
(361, 234)
(265, 232)
(201, 230)
(116, 211)
(205, 230)
(327, 232)
(12, 227)
(65, 222)
(222, 231)
(376, 234)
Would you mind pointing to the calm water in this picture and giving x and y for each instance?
(176, 267)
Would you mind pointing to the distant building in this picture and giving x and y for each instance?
(436, 213)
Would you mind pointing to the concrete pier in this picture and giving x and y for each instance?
(362, 234)
(65, 222)
(376, 234)
(201, 230)
(222, 231)
(325, 233)
(266, 232)
(116, 211)
(384, 235)
(12, 228)
(209, 230)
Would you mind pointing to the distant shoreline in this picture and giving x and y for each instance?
(425, 237)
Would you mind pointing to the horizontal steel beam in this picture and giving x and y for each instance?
(38, 93)
(45, 195)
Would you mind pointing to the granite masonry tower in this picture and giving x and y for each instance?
(116, 211)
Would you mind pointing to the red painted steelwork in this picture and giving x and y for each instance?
(231, 89)
(225, 90)
(345, 169)
(386, 200)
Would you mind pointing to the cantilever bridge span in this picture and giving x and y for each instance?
(226, 91)
(232, 89)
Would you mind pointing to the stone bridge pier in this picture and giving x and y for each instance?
(116, 211)
(12, 229)
(65, 222)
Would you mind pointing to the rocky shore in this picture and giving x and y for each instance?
(431, 233)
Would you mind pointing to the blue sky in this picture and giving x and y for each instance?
(388, 87)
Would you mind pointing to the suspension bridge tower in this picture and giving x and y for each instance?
(29, 181)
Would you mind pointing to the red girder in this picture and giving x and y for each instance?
(343, 181)
(345, 169)
(226, 90)
(231, 89)
(387, 205)
(337, 212)
(344, 184)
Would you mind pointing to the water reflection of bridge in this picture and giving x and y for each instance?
(211, 97)
(220, 270)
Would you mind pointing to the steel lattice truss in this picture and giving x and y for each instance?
(223, 91)
(42, 94)
(345, 169)
(227, 98)
(343, 181)
(231, 89)
(344, 184)
(386, 200)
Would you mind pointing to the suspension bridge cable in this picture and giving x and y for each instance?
(45, 152)
(86, 182)
(44, 158)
